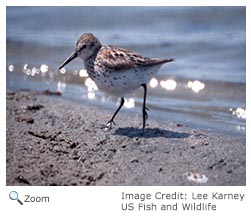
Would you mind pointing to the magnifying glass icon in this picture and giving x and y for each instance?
(14, 196)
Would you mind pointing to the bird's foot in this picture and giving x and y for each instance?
(108, 125)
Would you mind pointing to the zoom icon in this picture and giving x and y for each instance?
(13, 195)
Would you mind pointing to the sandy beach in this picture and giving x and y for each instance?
(53, 141)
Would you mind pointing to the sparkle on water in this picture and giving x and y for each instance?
(90, 84)
(44, 68)
(83, 73)
(91, 95)
(238, 112)
(168, 84)
(196, 85)
(129, 103)
(61, 86)
(240, 128)
(91, 87)
(11, 68)
(51, 74)
(75, 72)
(25, 67)
(34, 71)
(153, 83)
(62, 71)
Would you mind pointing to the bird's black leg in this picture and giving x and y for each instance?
(144, 108)
(111, 122)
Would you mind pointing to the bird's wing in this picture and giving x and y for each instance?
(121, 59)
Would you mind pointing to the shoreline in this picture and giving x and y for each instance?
(53, 141)
(186, 110)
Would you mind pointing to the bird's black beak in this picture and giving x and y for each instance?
(69, 59)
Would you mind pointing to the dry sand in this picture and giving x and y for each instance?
(52, 141)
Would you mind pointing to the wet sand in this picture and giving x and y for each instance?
(52, 141)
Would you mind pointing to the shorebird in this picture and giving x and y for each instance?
(116, 71)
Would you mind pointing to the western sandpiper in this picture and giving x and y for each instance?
(115, 70)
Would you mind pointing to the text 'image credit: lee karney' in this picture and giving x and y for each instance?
(177, 201)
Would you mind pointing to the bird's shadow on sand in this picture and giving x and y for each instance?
(149, 133)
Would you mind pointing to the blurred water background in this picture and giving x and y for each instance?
(205, 87)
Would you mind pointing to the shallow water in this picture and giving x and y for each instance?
(205, 86)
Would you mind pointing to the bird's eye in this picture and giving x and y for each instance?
(84, 46)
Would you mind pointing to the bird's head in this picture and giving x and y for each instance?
(86, 46)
